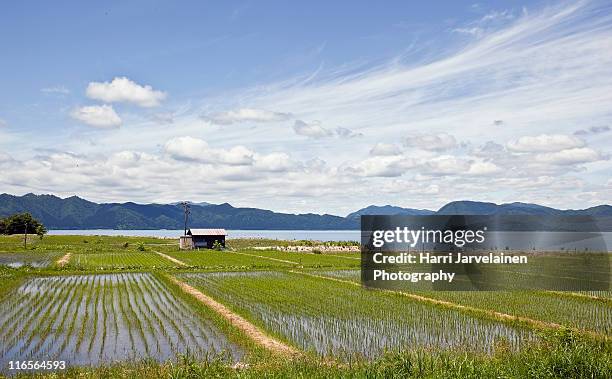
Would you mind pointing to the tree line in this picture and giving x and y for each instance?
(22, 223)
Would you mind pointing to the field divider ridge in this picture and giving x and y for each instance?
(253, 332)
(270, 258)
(577, 295)
(178, 262)
(340, 256)
(64, 260)
(498, 316)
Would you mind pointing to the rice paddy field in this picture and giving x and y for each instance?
(95, 319)
(17, 260)
(331, 318)
(119, 260)
(140, 307)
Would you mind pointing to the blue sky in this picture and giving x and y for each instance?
(200, 47)
(311, 106)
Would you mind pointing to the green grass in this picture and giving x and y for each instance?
(558, 355)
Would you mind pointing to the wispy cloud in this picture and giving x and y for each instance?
(246, 115)
(593, 130)
(61, 90)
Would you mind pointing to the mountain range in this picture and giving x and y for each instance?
(77, 213)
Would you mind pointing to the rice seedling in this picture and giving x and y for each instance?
(96, 319)
(119, 260)
(577, 312)
(212, 259)
(308, 259)
(336, 319)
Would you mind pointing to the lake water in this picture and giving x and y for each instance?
(317, 235)
(514, 240)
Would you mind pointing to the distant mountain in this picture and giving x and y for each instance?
(76, 213)
(388, 210)
(481, 208)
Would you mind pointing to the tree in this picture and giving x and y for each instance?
(41, 231)
(17, 224)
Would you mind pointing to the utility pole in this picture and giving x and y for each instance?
(25, 236)
(186, 209)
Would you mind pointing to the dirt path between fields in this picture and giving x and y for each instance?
(340, 256)
(538, 324)
(577, 295)
(270, 258)
(245, 326)
(63, 261)
(180, 263)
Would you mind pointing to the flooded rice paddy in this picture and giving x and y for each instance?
(95, 319)
(325, 317)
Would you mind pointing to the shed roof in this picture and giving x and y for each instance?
(207, 232)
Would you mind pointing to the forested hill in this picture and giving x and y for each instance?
(76, 213)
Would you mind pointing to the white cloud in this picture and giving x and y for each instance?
(346, 133)
(3, 124)
(479, 27)
(473, 31)
(195, 149)
(130, 159)
(164, 118)
(497, 15)
(433, 142)
(247, 115)
(483, 168)
(274, 162)
(385, 149)
(311, 130)
(122, 89)
(382, 166)
(570, 156)
(593, 130)
(447, 165)
(5, 158)
(99, 116)
(316, 130)
(545, 143)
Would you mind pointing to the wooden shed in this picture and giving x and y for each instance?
(206, 238)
